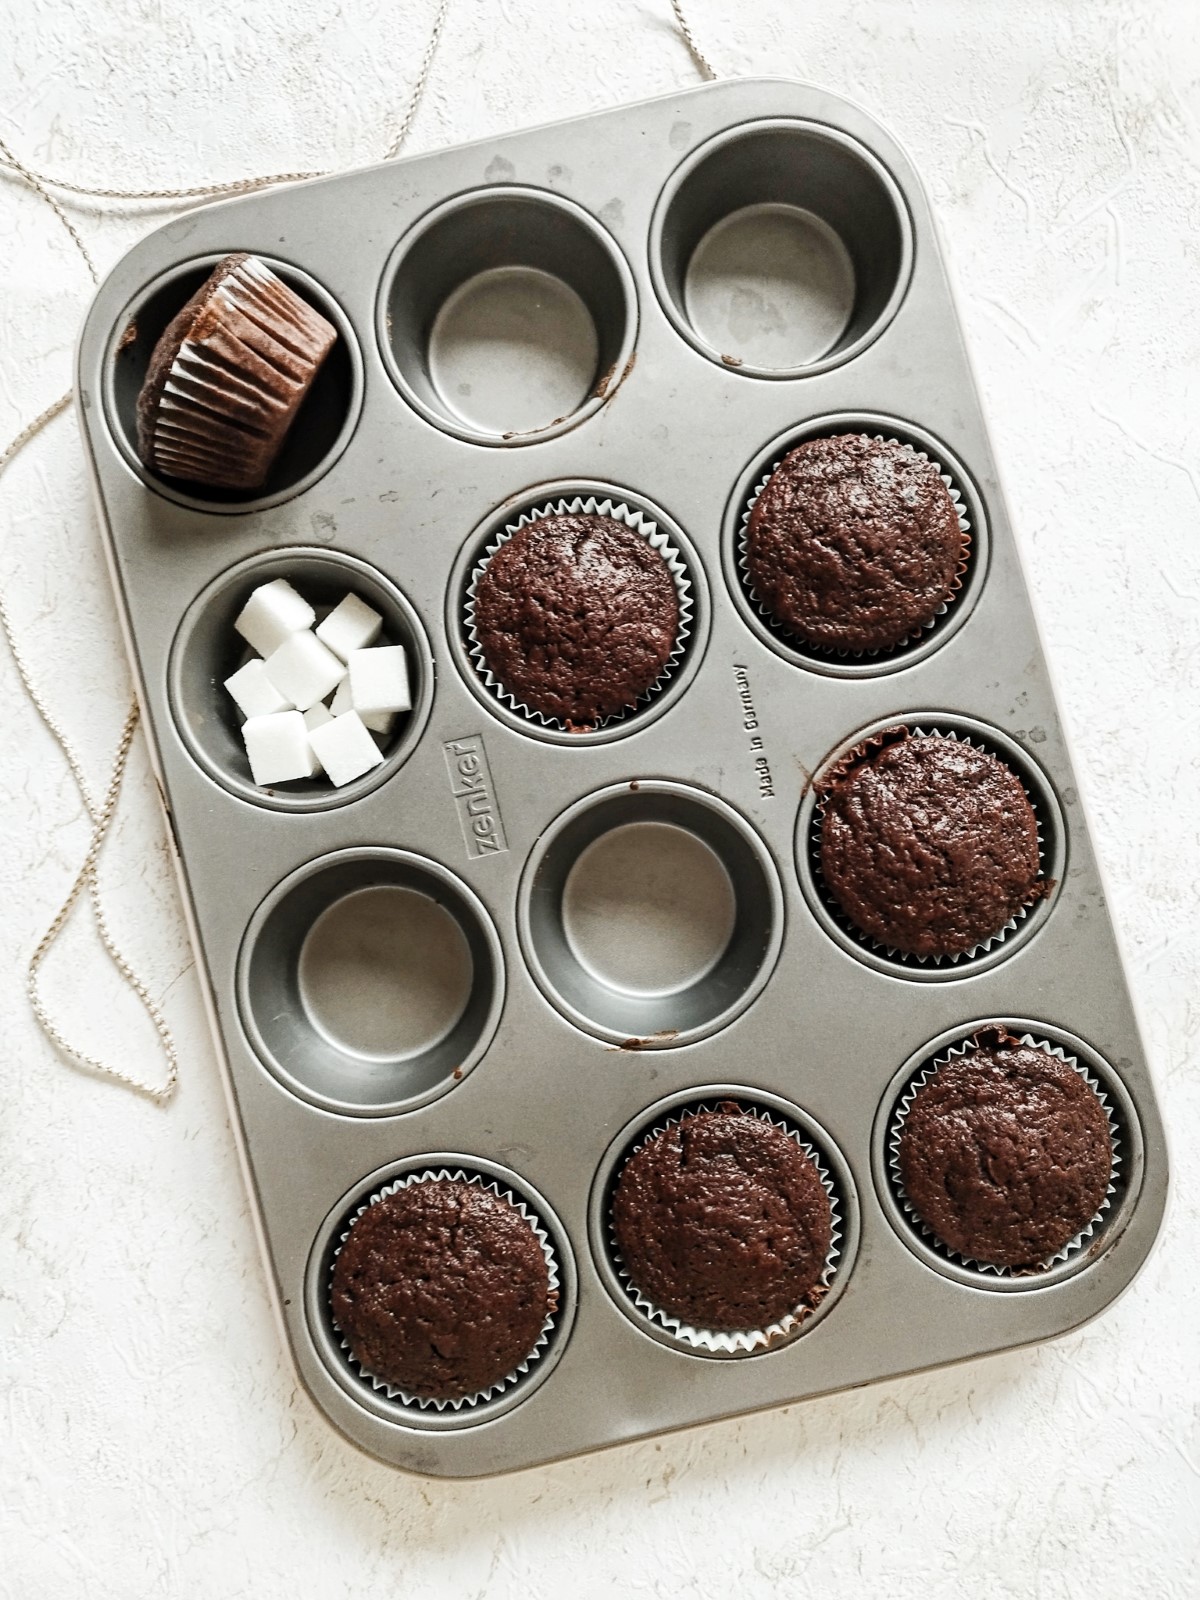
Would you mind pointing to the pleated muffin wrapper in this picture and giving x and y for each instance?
(737, 1341)
(867, 940)
(1074, 1245)
(238, 380)
(658, 541)
(460, 1402)
(794, 640)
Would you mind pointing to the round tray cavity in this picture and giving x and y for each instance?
(650, 914)
(1051, 832)
(602, 497)
(838, 664)
(318, 436)
(328, 1342)
(207, 651)
(507, 316)
(836, 1176)
(1124, 1189)
(370, 981)
(780, 248)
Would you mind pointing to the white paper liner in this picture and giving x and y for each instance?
(460, 1402)
(907, 957)
(738, 1341)
(585, 506)
(1074, 1245)
(826, 652)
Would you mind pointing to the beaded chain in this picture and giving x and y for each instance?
(102, 809)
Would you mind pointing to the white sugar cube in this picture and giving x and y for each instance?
(378, 721)
(304, 670)
(278, 748)
(379, 679)
(381, 722)
(272, 613)
(254, 692)
(316, 717)
(351, 625)
(344, 748)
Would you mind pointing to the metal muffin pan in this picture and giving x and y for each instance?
(610, 925)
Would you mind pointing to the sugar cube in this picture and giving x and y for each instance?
(378, 721)
(351, 625)
(278, 748)
(381, 722)
(304, 670)
(316, 717)
(344, 748)
(272, 613)
(254, 692)
(379, 679)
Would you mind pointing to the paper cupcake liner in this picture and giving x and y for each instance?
(658, 541)
(237, 381)
(461, 1402)
(826, 652)
(867, 940)
(1074, 1245)
(738, 1341)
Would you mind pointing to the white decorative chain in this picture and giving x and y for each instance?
(707, 69)
(41, 181)
(101, 811)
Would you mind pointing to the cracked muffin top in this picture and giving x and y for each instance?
(441, 1288)
(927, 844)
(1006, 1152)
(576, 616)
(854, 543)
(722, 1220)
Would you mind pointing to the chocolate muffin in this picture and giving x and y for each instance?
(927, 844)
(227, 377)
(1006, 1153)
(576, 615)
(854, 543)
(722, 1220)
(441, 1289)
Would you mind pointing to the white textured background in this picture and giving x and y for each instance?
(151, 1439)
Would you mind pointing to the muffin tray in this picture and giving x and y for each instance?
(648, 307)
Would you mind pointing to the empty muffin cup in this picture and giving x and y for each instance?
(323, 425)
(370, 981)
(650, 914)
(207, 650)
(507, 316)
(951, 613)
(835, 1180)
(986, 953)
(780, 248)
(1090, 1241)
(394, 1403)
